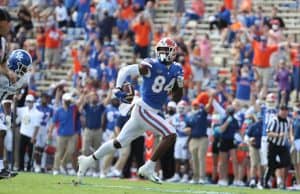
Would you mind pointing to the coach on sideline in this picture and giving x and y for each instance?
(278, 152)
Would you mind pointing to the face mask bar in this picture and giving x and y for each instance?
(163, 54)
(22, 69)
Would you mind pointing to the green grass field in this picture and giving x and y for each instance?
(28, 183)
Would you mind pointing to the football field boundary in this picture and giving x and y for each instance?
(146, 188)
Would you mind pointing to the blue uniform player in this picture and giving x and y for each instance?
(41, 139)
(267, 111)
(161, 77)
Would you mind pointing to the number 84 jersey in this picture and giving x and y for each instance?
(159, 82)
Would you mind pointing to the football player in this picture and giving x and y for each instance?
(161, 76)
(181, 153)
(268, 110)
(18, 62)
(47, 112)
(7, 77)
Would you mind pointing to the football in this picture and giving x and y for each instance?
(128, 88)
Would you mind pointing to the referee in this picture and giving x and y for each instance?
(278, 152)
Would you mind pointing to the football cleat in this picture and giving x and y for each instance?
(4, 174)
(84, 163)
(149, 174)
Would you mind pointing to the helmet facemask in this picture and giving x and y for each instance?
(22, 70)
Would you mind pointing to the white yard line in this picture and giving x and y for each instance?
(154, 189)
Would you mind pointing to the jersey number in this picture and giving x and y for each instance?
(159, 84)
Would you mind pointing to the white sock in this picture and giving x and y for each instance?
(279, 180)
(1, 164)
(104, 149)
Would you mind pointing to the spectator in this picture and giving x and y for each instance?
(92, 110)
(109, 6)
(139, 4)
(295, 148)
(228, 129)
(126, 11)
(179, 7)
(295, 58)
(40, 41)
(283, 76)
(91, 29)
(83, 8)
(275, 17)
(196, 126)
(244, 82)
(282, 53)
(149, 11)
(106, 27)
(61, 14)
(77, 66)
(221, 19)
(275, 35)
(24, 18)
(69, 4)
(253, 138)
(142, 29)
(122, 27)
(205, 47)
(53, 43)
(230, 33)
(195, 12)
(30, 119)
(262, 53)
(66, 118)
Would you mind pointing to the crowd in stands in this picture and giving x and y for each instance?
(220, 122)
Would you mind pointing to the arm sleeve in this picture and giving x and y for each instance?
(130, 70)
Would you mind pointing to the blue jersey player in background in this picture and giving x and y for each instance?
(41, 140)
(161, 77)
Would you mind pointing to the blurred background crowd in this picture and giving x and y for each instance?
(241, 61)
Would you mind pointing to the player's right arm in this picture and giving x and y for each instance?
(125, 72)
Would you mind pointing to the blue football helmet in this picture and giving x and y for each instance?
(18, 61)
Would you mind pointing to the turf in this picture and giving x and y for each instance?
(28, 183)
